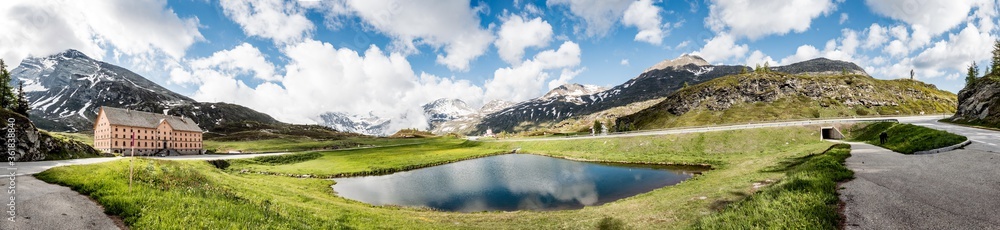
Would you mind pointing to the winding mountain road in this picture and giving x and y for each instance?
(958, 189)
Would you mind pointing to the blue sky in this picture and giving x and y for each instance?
(297, 59)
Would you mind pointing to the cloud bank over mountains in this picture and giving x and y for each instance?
(281, 60)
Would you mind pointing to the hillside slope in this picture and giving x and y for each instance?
(756, 97)
(979, 103)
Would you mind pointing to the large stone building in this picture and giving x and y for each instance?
(154, 133)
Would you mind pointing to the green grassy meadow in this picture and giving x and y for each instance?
(295, 144)
(904, 138)
(196, 194)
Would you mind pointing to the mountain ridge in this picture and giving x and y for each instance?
(774, 96)
(67, 89)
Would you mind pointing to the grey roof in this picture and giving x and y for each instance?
(147, 120)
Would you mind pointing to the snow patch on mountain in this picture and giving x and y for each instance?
(364, 124)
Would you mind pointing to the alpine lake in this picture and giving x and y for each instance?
(512, 182)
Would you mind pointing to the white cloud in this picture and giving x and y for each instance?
(755, 19)
(564, 77)
(243, 59)
(877, 35)
(957, 51)
(599, 15)
(376, 82)
(516, 34)
(720, 48)
(278, 20)
(449, 25)
(843, 18)
(525, 81)
(803, 53)
(683, 44)
(624, 62)
(759, 58)
(646, 17)
(935, 16)
(843, 48)
(896, 49)
(147, 31)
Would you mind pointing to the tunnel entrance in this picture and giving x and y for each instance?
(831, 133)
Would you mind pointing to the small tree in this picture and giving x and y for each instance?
(757, 69)
(972, 75)
(843, 71)
(22, 106)
(597, 127)
(767, 67)
(686, 85)
(995, 66)
(743, 70)
(7, 98)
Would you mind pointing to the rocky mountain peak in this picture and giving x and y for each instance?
(71, 53)
(572, 90)
(683, 60)
(446, 109)
(495, 105)
(448, 105)
(821, 66)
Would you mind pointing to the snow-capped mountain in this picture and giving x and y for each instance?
(467, 123)
(564, 102)
(363, 124)
(571, 92)
(495, 105)
(67, 89)
(445, 109)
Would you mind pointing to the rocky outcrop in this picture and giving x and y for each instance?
(30, 144)
(979, 103)
(678, 62)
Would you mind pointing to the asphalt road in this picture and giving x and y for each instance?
(959, 189)
(41, 205)
(907, 119)
(983, 140)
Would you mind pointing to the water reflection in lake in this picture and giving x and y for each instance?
(511, 182)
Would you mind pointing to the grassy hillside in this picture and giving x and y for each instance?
(904, 138)
(195, 194)
(758, 97)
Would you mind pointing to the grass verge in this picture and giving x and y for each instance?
(197, 194)
(904, 138)
(805, 199)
